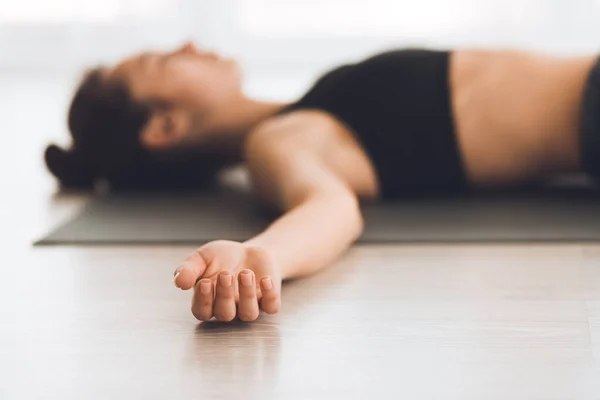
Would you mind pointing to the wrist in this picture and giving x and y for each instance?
(269, 253)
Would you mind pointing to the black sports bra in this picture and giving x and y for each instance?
(398, 105)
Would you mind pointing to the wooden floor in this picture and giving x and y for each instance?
(413, 322)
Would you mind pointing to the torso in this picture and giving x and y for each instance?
(515, 118)
(517, 114)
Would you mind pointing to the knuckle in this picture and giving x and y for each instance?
(248, 294)
(201, 314)
(225, 294)
(271, 297)
(225, 311)
(225, 316)
(196, 256)
(271, 307)
(248, 316)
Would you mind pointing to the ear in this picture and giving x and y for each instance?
(166, 128)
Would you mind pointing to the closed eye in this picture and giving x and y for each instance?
(148, 60)
(164, 59)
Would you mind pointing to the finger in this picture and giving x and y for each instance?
(224, 308)
(188, 273)
(248, 304)
(271, 298)
(203, 300)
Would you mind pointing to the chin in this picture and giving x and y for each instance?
(236, 69)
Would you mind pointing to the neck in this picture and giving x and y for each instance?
(227, 133)
(234, 124)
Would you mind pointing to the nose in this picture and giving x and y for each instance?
(189, 48)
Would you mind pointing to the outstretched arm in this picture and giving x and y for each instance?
(322, 218)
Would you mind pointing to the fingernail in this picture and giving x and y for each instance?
(205, 287)
(225, 279)
(175, 278)
(267, 283)
(246, 278)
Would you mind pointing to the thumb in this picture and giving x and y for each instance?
(192, 268)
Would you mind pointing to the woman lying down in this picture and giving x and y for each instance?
(399, 123)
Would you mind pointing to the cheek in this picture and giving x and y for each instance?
(222, 89)
(204, 85)
(231, 77)
(236, 74)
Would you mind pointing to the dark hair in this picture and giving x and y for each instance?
(105, 123)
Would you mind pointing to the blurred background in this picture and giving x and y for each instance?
(282, 44)
(276, 40)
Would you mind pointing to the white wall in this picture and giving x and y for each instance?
(276, 39)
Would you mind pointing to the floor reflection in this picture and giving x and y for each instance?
(247, 355)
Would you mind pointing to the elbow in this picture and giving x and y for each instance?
(358, 218)
(343, 207)
(349, 205)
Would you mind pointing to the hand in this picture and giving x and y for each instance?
(230, 279)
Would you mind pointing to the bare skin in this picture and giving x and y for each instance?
(516, 117)
(517, 114)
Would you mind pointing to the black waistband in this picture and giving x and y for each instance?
(590, 123)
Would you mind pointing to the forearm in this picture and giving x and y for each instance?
(312, 235)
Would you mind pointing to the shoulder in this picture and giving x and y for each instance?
(301, 139)
(285, 157)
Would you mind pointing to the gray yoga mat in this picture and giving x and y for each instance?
(571, 214)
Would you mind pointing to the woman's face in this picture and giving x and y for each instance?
(187, 88)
